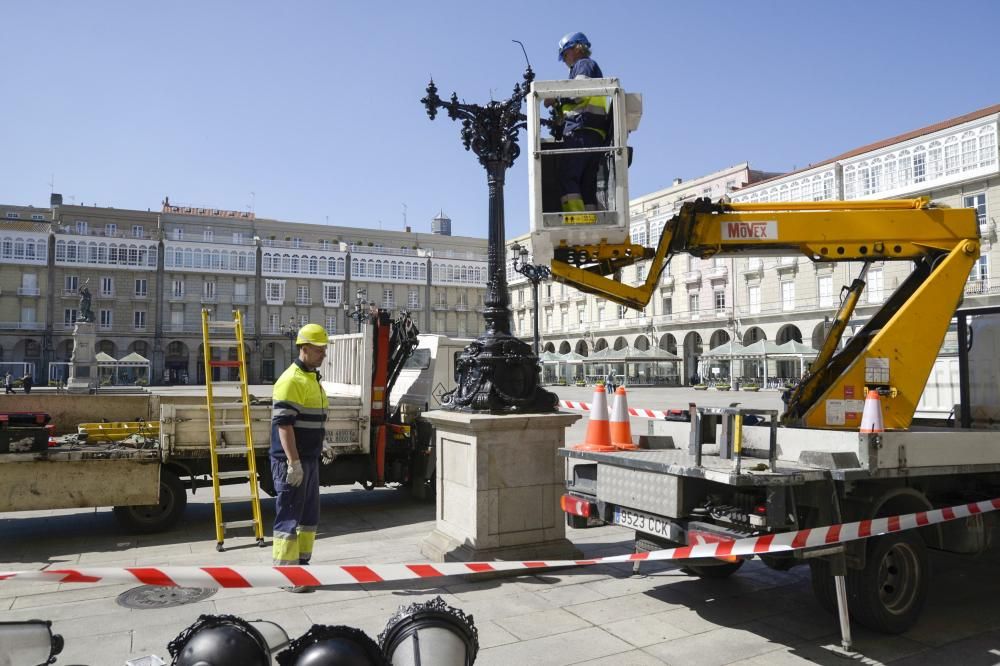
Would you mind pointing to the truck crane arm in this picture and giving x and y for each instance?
(887, 353)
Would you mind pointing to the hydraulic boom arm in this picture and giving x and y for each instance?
(893, 352)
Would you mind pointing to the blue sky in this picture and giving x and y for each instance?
(314, 106)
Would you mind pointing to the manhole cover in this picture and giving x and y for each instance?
(152, 596)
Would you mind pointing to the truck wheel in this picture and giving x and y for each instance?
(889, 593)
(151, 518)
(713, 570)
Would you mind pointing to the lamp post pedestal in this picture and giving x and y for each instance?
(498, 497)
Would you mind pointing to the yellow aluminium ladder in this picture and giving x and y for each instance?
(215, 427)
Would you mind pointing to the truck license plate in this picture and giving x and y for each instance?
(641, 522)
(341, 436)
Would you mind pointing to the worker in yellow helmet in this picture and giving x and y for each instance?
(297, 428)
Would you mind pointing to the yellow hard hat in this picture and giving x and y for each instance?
(312, 334)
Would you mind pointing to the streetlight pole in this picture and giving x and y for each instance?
(290, 331)
(355, 313)
(535, 274)
(497, 373)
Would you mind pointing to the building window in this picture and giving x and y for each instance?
(387, 297)
(720, 301)
(788, 295)
(240, 292)
(13, 216)
(640, 273)
(208, 289)
(178, 234)
(107, 286)
(37, 217)
(69, 317)
(332, 293)
(977, 201)
(981, 269)
(668, 305)
(622, 311)
(302, 295)
(177, 320)
(753, 298)
(826, 292)
(208, 235)
(413, 298)
(110, 230)
(140, 287)
(331, 324)
(237, 238)
(274, 292)
(919, 165)
(138, 231)
(71, 284)
(139, 320)
(105, 319)
(296, 242)
(274, 323)
(81, 227)
(875, 286)
(693, 305)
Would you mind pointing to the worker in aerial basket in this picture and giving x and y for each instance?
(297, 430)
(585, 126)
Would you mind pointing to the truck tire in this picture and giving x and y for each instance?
(888, 595)
(714, 571)
(151, 518)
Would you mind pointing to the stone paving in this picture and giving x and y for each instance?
(595, 615)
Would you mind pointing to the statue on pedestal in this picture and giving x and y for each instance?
(85, 314)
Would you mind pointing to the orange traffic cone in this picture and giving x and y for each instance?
(621, 429)
(871, 419)
(598, 433)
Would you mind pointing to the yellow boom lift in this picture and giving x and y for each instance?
(588, 250)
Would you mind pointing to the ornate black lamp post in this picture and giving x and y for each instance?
(358, 311)
(290, 331)
(497, 373)
(535, 274)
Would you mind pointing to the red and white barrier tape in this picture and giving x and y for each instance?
(282, 576)
(634, 411)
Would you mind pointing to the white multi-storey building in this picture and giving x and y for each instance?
(150, 275)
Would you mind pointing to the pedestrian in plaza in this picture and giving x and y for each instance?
(27, 383)
(8, 384)
(609, 382)
(585, 126)
(297, 428)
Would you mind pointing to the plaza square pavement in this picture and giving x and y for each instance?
(590, 615)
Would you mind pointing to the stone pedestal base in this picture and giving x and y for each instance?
(499, 481)
(83, 364)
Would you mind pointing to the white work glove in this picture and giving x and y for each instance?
(294, 475)
(329, 453)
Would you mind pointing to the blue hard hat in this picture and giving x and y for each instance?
(570, 40)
